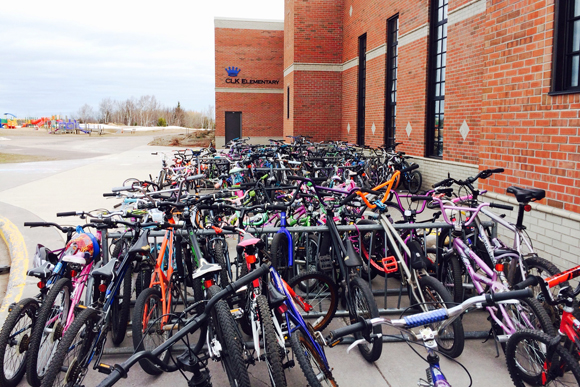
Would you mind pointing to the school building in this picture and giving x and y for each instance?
(464, 84)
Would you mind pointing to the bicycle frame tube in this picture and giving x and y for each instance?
(160, 278)
(79, 283)
(518, 237)
(284, 230)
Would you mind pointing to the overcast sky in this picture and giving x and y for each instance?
(57, 55)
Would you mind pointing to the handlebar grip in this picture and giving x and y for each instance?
(109, 194)
(142, 206)
(69, 213)
(446, 191)
(502, 206)
(497, 170)
(445, 182)
(417, 198)
(410, 168)
(112, 378)
(294, 177)
(275, 207)
(430, 317)
(347, 330)
(36, 224)
(515, 294)
(119, 189)
(228, 228)
(195, 177)
(530, 281)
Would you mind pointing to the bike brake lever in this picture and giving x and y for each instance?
(355, 344)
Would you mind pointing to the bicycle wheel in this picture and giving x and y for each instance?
(226, 343)
(528, 362)
(310, 362)
(451, 340)
(306, 253)
(220, 258)
(543, 268)
(279, 253)
(69, 365)
(14, 339)
(120, 309)
(319, 291)
(48, 330)
(147, 331)
(451, 274)
(527, 314)
(414, 182)
(272, 349)
(143, 280)
(365, 306)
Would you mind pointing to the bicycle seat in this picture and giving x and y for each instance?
(105, 271)
(205, 268)
(275, 298)
(142, 243)
(42, 271)
(526, 195)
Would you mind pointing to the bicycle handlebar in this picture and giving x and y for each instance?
(69, 213)
(109, 194)
(502, 206)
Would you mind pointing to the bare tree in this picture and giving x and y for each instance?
(85, 114)
(106, 108)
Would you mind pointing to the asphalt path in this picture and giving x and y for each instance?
(88, 166)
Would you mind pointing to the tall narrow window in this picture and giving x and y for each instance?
(566, 63)
(391, 86)
(362, 78)
(437, 64)
(288, 103)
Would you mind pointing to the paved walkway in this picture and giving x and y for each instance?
(36, 191)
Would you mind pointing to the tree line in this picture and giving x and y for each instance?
(145, 111)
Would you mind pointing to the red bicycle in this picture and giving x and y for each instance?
(538, 359)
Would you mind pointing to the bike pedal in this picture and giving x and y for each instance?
(289, 364)
(325, 262)
(237, 313)
(79, 308)
(335, 342)
(105, 368)
(390, 264)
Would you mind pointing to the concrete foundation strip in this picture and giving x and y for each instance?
(19, 266)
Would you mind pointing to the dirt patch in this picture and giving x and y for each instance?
(195, 139)
(6, 158)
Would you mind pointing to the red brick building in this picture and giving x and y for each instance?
(464, 84)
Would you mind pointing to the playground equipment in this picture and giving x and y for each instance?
(9, 123)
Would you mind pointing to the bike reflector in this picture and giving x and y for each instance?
(390, 264)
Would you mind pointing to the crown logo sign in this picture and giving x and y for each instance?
(233, 71)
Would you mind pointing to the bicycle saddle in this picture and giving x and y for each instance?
(42, 271)
(205, 267)
(526, 195)
(141, 243)
(105, 271)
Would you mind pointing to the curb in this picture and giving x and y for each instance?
(19, 262)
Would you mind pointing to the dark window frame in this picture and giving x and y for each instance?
(437, 61)
(361, 89)
(391, 76)
(563, 50)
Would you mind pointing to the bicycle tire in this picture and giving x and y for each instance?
(274, 353)
(279, 253)
(220, 258)
(14, 337)
(223, 326)
(319, 291)
(38, 345)
(534, 353)
(365, 306)
(120, 310)
(142, 281)
(307, 358)
(534, 313)
(450, 347)
(310, 261)
(144, 314)
(415, 182)
(451, 276)
(74, 338)
(543, 268)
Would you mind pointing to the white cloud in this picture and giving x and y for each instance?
(58, 55)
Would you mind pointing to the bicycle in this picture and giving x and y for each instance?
(188, 360)
(540, 359)
(427, 335)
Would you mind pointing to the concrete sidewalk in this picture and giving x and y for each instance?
(37, 191)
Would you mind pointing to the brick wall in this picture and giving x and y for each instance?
(259, 53)
(533, 135)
